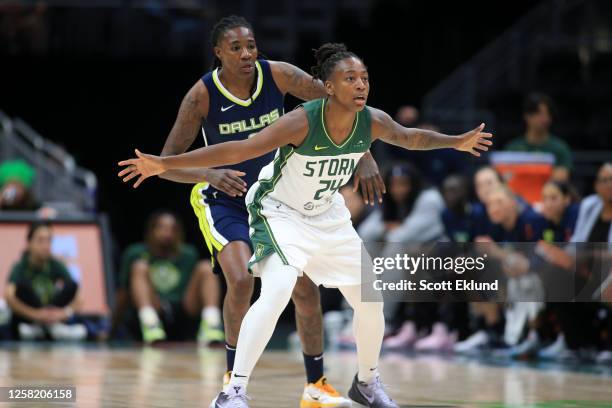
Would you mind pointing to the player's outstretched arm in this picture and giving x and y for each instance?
(389, 131)
(292, 80)
(289, 129)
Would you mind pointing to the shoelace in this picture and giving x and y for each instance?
(378, 389)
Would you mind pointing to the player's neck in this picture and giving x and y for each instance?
(338, 121)
(239, 86)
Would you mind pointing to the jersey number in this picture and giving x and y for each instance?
(331, 185)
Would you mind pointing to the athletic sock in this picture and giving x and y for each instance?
(211, 315)
(148, 316)
(314, 367)
(230, 355)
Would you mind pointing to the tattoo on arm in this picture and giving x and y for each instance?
(414, 138)
(185, 128)
(300, 84)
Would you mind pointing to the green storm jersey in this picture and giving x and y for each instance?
(307, 177)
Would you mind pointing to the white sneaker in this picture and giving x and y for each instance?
(604, 357)
(69, 332)
(472, 343)
(322, 394)
(30, 331)
(555, 350)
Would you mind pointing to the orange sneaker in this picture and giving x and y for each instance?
(322, 395)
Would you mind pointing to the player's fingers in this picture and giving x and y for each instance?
(475, 153)
(233, 187)
(227, 189)
(481, 147)
(240, 183)
(130, 176)
(487, 135)
(367, 190)
(479, 128)
(355, 183)
(381, 182)
(126, 171)
(379, 187)
(140, 180)
(128, 162)
(486, 142)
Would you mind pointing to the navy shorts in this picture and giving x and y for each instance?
(222, 220)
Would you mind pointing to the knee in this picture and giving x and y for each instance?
(239, 285)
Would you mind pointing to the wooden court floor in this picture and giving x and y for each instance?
(185, 376)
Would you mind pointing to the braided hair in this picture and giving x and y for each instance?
(327, 56)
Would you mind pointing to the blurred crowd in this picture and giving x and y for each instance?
(165, 291)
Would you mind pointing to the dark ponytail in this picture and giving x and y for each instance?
(327, 56)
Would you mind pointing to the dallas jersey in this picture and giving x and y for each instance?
(224, 219)
(295, 209)
(232, 118)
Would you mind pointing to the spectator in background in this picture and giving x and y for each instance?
(169, 286)
(559, 211)
(41, 293)
(16, 178)
(511, 221)
(407, 115)
(410, 211)
(538, 112)
(594, 225)
(459, 216)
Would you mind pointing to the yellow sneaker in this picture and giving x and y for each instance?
(322, 395)
(226, 379)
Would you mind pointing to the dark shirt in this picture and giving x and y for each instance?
(600, 231)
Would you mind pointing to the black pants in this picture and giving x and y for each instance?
(61, 298)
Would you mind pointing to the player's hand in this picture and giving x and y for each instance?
(227, 180)
(475, 140)
(146, 165)
(368, 177)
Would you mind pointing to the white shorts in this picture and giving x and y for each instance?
(325, 247)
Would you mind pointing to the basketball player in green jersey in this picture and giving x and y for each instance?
(298, 219)
(242, 94)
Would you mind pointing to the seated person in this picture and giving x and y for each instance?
(538, 113)
(169, 287)
(459, 216)
(410, 212)
(41, 293)
(559, 211)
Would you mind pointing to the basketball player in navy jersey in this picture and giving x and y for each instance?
(241, 96)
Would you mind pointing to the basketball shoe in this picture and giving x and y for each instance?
(371, 394)
(322, 395)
